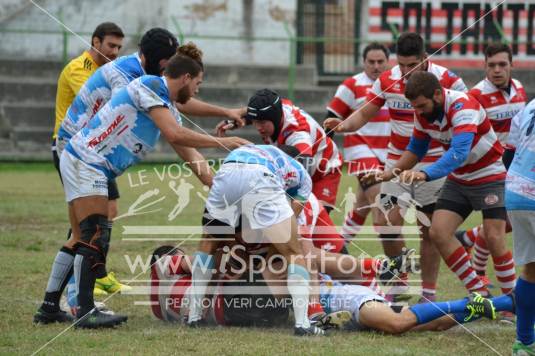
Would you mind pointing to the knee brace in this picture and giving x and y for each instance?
(95, 239)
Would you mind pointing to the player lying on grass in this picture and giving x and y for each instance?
(260, 301)
(118, 137)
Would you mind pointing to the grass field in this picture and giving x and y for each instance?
(33, 225)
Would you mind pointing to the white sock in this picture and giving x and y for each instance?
(201, 274)
(298, 286)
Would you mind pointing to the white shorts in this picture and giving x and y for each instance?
(250, 191)
(80, 179)
(351, 298)
(423, 193)
(523, 223)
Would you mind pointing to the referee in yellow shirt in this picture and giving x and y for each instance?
(106, 41)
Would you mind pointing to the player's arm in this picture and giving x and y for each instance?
(198, 107)
(512, 139)
(177, 135)
(453, 158)
(196, 162)
(360, 117)
(355, 121)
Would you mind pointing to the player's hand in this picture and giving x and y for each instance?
(372, 178)
(237, 115)
(233, 142)
(224, 126)
(410, 177)
(333, 124)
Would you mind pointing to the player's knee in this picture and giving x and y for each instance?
(113, 209)
(95, 236)
(437, 234)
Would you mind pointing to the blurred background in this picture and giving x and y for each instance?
(301, 48)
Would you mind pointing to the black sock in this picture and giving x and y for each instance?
(62, 270)
(85, 281)
(100, 271)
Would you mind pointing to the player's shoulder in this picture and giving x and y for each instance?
(153, 83)
(393, 73)
(129, 66)
(83, 62)
(483, 87)
(517, 83)
(458, 100)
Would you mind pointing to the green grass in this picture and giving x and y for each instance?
(33, 225)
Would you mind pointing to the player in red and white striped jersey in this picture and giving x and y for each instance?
(280, 122)
(502, 97)
(475, 171)
(364, 150)
(389, 90)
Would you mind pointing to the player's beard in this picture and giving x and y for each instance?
(183, 95)
(436, 114)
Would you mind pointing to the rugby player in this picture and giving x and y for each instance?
(260, 303)
(502, 97)
(474, 169)
(364, 150)
(280, 122)
(388, 90)
(520, 204)
(119, 136)
(106, 42)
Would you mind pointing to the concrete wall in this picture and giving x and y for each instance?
(196, 17)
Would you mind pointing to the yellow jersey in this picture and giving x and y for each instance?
(71, 79)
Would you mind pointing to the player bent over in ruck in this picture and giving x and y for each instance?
(250, 194)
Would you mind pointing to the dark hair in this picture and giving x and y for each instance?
(495, 48)
(106, 29)
(180, 64)
(165, 250)
(375, 46)
(421, 83)
(410, 44)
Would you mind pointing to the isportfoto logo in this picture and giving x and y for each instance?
(96, 140)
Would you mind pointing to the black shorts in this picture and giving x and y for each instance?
(463, 199)
(113, 189)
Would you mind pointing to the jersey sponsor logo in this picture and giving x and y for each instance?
(399, 104)
(506, 114)
(458, 105)
(96, 140)
(290, 175)
(98, 104)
